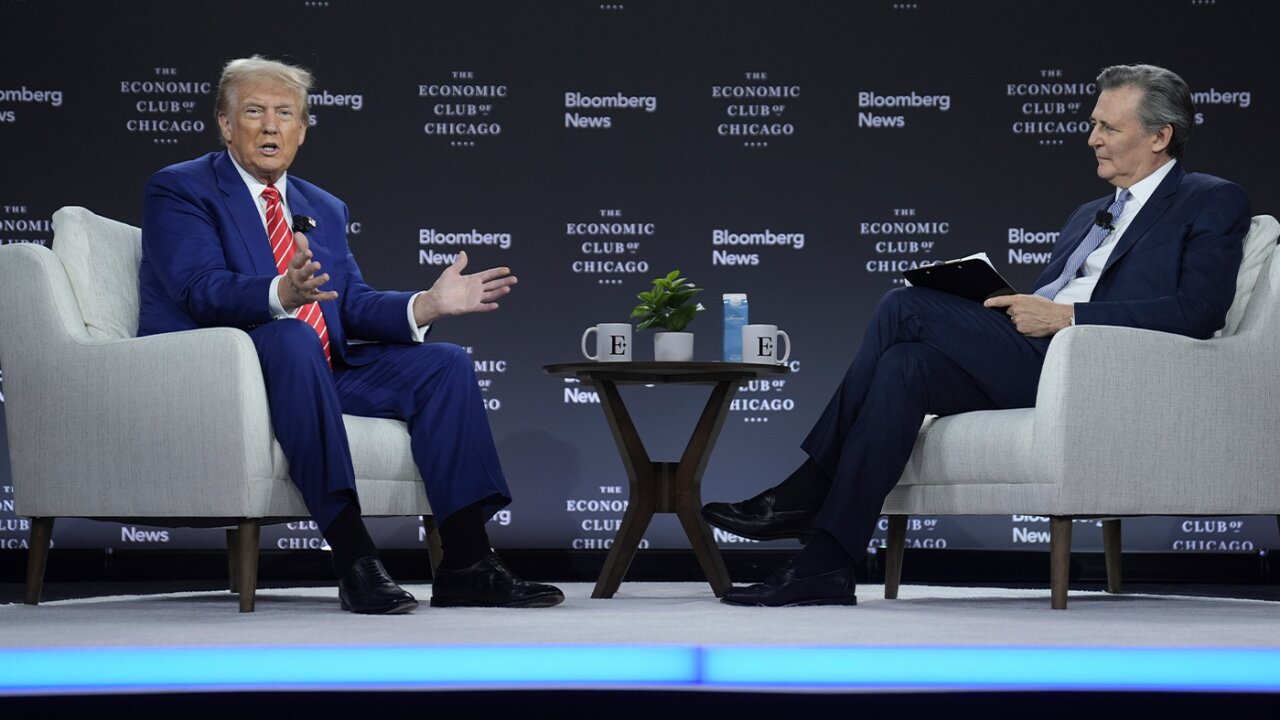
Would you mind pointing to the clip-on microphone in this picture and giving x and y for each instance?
(305, 224)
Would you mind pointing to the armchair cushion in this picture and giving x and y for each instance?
(101, 258)
(1258, 246)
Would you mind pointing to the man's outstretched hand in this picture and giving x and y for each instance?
(456, 294)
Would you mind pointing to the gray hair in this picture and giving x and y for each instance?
(1166, 100)
(241, 70)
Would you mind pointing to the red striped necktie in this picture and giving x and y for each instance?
(283, 248)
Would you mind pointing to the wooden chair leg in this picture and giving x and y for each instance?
(248, 537)
(37, 557)
(233, 559)
(894, 545)
(1059, 560)
(435, 549)
(1111, 551)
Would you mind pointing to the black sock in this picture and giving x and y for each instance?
(463, 538)
(803, 489)
(348, 539)
(823, 554)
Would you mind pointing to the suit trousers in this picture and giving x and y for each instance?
(430, 386)
(925, 352)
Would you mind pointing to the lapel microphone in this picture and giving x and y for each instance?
(305, 223)
(1103, 220)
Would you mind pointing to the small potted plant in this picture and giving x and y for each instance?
(666, 305)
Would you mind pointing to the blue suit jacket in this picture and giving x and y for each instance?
(1175, 267)
(206, 260)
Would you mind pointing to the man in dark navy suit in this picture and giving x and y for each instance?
(1160, 252)
(218, 250)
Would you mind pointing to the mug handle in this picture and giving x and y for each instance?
(597, 355)
(786, 337)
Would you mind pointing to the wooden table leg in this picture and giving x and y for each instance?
(664, 487)
(643, 499)
(686, 491)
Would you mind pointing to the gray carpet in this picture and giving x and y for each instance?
(656, 613)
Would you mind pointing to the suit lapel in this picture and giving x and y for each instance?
(1159, 202)
(244, 212)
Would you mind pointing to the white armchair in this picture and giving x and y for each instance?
(1127, 422)
(166, 430)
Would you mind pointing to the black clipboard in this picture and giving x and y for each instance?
(973, 278)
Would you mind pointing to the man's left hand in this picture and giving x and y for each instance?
(1032, 315)
(456, 294)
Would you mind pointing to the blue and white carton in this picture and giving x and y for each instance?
(735, 316)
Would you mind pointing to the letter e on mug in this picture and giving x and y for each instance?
(760, 344)
(613, 342)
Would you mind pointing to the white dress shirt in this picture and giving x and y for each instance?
(1080, 287)
(256, 187)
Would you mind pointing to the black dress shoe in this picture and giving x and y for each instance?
(783, 588)
(489, 583)
(366, 588)
(759, 518)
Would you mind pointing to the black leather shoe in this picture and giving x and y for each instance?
(490, 583)
(783, 588)
(366, 588)
(759, 518)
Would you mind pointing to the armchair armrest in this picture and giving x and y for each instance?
(179, 419)
(1142, 421)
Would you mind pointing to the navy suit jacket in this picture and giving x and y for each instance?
(1175, 267)
(206, 260)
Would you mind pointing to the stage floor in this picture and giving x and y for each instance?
(655, 636)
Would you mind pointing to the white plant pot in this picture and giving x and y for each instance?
(673, 346)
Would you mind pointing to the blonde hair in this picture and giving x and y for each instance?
(242, 70)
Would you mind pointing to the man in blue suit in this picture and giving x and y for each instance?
(217, 250)
(1160, 252)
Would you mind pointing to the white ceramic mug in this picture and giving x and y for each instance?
(613, 342)
(760, 344)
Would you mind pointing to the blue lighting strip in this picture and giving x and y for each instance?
(997, 668)
(114, 670)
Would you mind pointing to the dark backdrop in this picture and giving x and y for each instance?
(875, 135)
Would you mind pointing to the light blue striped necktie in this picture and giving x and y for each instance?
(1096, 235)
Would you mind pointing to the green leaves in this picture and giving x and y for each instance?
(664, 306)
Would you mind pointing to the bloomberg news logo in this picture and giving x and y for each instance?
(879, 110)
(1214, 98)
(13, 96)
(456, 241)
(577, 102)
(325, 99)
(727, 243)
